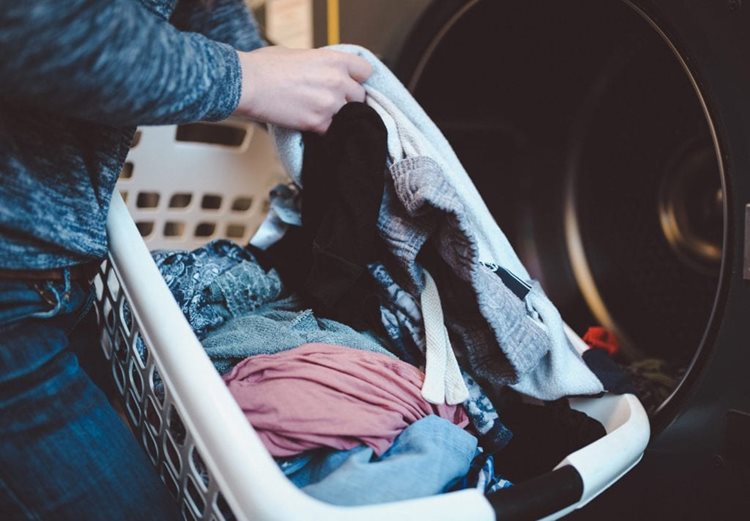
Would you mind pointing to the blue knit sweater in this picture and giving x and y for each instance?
(76, 77)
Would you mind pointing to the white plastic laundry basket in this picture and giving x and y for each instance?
(212, 182)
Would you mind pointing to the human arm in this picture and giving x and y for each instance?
(114, 62)
(290, 88)
(227, 21)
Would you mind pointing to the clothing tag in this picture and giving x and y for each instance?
(516, 285)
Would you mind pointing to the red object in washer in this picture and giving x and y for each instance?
(598, 337)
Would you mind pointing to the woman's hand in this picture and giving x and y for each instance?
(299, 88)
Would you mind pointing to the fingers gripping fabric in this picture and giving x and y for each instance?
(443, 382)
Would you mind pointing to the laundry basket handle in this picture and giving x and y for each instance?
(538, 497)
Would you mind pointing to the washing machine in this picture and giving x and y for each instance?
(611, 141)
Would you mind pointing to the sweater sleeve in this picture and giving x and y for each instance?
(113, 62)
(228, 21)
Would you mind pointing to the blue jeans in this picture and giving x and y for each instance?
(427, 458)
(64, 452)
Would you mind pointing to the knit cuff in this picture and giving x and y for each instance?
(228, 84)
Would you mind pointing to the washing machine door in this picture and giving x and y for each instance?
(610, 141)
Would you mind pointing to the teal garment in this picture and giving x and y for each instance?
(76, 77)
(277, 327)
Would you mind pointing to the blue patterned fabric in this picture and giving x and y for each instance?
(216, 282)
(401, 315)
(487, 481)
(482, 475)
(493, 433)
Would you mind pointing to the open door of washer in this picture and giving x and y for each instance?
(610, 141)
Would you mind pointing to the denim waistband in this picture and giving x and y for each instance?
(79, 272)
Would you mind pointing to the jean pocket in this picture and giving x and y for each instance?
(21, 300)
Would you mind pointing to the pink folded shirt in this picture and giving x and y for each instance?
(321, 395)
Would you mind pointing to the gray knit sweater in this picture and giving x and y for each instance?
(76, 77)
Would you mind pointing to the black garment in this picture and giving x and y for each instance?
(542, 436)
(343, 178)
(613, 377)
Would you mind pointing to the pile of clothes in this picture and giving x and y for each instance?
(379, 332)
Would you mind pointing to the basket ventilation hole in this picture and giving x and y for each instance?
(124, 317)
(136, 380)
(187, 511)
(119, 375)
(147, 200)
(211, 134)
(169, 480)
(121, 348)
(205, 229)
(152, 417)
(142, 352)
(136, 139)
(124, 196)
(199, 468)
(109, 314)
(146, 228)
(172, 455)
(235, 231)
(211, 202)
(176, 427)
(180, 200)
(224, 506)
(195, 495)
(242, 204)
(127, 170)
(174, 229)
(134, 412)
(150, 444)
